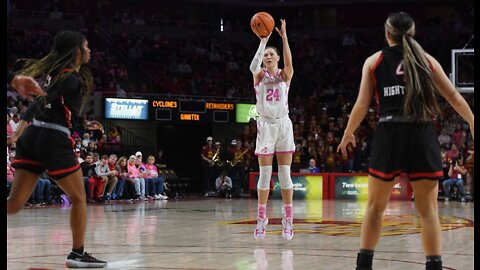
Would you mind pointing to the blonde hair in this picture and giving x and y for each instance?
(420, 100)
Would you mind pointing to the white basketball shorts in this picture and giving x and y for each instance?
(274, 136)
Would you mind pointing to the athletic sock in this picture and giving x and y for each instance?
(364, 259)
(434, 263)
(288, 210)
(78, 250)
(262, 211)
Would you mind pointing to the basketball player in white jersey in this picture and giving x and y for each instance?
(274, 128)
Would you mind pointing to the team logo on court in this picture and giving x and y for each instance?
(392, 225)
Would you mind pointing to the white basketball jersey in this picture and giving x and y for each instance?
(272, 95)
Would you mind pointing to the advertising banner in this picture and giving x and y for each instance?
(305, 186)
(355, 187)
(126, 108)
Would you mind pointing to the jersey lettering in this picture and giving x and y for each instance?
(272, 94)
(400, 68)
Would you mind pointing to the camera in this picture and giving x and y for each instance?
(453, 162)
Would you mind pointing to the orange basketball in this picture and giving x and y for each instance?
(262, 24)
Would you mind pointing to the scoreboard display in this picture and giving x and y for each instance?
(182, 110)
(177, 110)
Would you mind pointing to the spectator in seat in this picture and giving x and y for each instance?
(135, 178)
(312, 166)
(155, 181)
(457, 173)
(112, 178)
(224, 186)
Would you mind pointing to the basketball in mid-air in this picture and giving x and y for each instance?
(262, 24)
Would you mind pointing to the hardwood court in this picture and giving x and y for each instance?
(218, 234)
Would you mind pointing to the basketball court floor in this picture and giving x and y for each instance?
(217, 233)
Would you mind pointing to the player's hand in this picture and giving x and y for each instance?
(265, 39)
(27, 87)
(346, 139)
(283, 29)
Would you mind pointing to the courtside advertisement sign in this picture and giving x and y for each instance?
(309, 187)
(125, 108)
(356, 188)
(245, 112)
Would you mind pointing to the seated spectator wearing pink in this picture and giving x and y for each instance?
(135, 178)
(10, 172)
(10, 130)
(142, 170)
(154, 181)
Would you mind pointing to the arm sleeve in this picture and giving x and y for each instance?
(257, 60)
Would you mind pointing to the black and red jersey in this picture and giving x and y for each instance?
(389, 83)
(64, 101)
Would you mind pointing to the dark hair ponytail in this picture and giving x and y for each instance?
(58, 63)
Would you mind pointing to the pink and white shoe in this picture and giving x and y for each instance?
(260, 229)
(287, 231)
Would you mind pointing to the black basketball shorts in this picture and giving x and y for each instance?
(408, 147)
(40, 149)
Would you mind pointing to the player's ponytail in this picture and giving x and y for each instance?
(420, 101)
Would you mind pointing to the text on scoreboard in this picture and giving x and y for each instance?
(192, 110)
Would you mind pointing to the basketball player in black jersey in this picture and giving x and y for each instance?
(405, 81)
(43, 135)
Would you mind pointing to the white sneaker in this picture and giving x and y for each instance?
(157, 196)
(287, 231)
(260, 229)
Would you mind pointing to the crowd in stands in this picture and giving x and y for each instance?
(321, 97)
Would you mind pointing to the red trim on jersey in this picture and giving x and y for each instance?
(426, 174)
(62, 171)
(431, 66)
(380, 57)
(26, 161)
(372, 70)
(384, 175)
(68, 113)
(67, 70)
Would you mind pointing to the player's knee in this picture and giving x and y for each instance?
(284, 176)
(265, 176)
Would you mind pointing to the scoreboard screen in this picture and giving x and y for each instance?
(180, 110)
